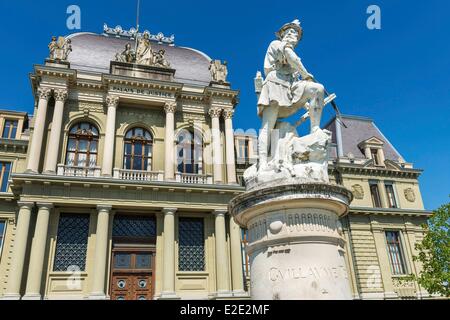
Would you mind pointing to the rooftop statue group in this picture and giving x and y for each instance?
(59, 48)
(144, 55)
(287, 88)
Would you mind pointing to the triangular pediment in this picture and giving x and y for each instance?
(371, 141)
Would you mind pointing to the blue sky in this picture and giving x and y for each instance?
(398, 76)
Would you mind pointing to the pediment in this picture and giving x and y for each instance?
(373, 141)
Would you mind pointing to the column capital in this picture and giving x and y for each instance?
(28, 204)
(44, 93)
(104, 207)
(169, 210)
(112, 100)
(220, 212)
(169, 107)
(60, 94)
(214, 112)
(47, 205)
(228, 113)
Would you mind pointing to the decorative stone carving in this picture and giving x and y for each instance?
(112, 100)
(118, 31)
(60, 94)
(358, 191)
(59, 49)
(170, 107)
(44, 93)
(144, 54)
(228, 113)
(219, 71)
(410, 195)
(214, 112)
(128, 55)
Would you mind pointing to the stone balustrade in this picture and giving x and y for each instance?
(138, 175)
(193, 178)
(77, 171)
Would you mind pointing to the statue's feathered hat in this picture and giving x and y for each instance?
(294, 24)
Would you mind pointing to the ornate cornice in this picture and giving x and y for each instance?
(375, 171)
(142, 83)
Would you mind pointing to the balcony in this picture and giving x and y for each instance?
(193, 178)
(138, 175)
(75, 171)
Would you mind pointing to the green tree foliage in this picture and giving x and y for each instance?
(434, 253)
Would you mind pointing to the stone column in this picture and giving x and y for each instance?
(101, 245)
(169, 163)
(34, 154)
(214, 112)
(55, 135)
(20, 246)
(168, 288)
(222, 269)
(229, 141)
(236, 259)
(108, 149)
(36, 264)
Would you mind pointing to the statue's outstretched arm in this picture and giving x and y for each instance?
(296, 62)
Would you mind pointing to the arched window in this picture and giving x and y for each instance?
(190, 152)
(82, 146)
(138, 150)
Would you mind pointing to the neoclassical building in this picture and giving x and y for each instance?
(117, 186)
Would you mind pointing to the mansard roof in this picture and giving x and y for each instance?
(360, 129)
(93, 53)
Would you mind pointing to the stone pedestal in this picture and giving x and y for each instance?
(295, 244)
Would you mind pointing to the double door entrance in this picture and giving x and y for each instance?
(132, 273)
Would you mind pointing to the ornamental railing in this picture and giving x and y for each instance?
(193, 178)
(77, 171)
(138, 175)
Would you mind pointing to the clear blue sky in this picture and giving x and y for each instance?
(399, 75)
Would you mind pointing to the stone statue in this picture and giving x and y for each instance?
(59, 49)
(159, 59)
(287, 88)
(144, 53)
(219, 71)
(127, 55)
(283, 93)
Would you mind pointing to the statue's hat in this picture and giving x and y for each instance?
(294, 24)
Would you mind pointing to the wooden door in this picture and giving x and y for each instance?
(132, 274)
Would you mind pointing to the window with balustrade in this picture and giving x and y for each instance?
(82, 145)
(138, 150)
(9, 129)
(190, 152)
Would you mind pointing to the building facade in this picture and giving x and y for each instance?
(117, 187)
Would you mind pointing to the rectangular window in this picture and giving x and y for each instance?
(395, 252)
(391, 195)
(71, 242)
(375, 195)
(191, 251)
(10, 129)
(5, 168)
(245, 257)
(374, 153)
(2, 235)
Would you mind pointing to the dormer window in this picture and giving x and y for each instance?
(10, 129)
(373, 149)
